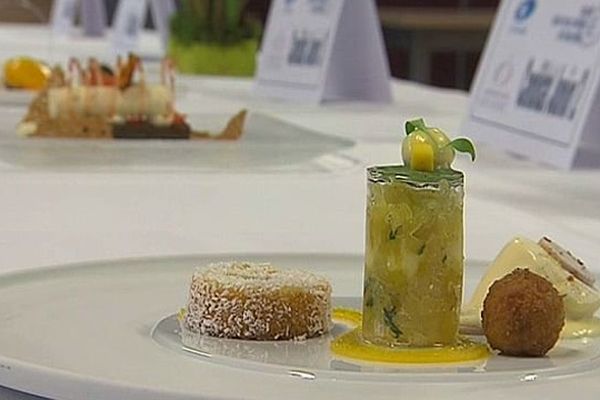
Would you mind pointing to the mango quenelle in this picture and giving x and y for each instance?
(414, 257)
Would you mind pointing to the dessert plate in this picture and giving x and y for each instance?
(267, 143)
(104, 330)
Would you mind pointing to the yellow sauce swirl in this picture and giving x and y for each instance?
(352, 345)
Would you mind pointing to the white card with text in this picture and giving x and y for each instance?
(323, 50)
(62, 18)
(129, 19)
(129, 22)
(537, 86)
(93, 17)
(162, 11)
(91, 13)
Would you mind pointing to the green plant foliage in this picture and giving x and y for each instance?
(213, 21)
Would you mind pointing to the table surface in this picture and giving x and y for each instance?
(59, 217)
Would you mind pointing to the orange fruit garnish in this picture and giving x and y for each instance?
(26, 73)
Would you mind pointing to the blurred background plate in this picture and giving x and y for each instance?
(267, 144)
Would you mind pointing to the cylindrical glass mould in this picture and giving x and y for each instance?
(414, 257)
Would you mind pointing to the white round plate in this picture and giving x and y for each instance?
(101, 330)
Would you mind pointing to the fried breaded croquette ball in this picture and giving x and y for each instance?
(523, 315)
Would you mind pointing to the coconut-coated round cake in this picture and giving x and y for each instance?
(256, 301)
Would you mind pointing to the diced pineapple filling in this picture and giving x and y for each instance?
(413, 266)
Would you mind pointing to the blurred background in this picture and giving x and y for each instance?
(437, 42)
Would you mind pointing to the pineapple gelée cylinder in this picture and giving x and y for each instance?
(414, 257)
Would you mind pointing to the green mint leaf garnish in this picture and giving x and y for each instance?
(388, 319)
(464, 145)
(416, 124)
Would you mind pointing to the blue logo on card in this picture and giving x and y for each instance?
(525, 10)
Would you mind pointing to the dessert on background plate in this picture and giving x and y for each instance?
(99, 101)
(251, 301)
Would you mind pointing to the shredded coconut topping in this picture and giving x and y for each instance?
(257, 301)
